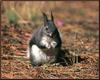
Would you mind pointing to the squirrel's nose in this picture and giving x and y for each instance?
(50, 34)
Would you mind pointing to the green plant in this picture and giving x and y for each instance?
(81, 12)
(33, 16)
(74, 11)
(12, 17)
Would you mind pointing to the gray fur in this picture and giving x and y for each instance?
(44, 40)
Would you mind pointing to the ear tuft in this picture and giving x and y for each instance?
(45, 18)
(52, 16)
(43, 14)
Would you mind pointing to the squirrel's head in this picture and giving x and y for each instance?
(49, 26)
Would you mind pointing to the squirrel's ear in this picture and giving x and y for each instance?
(52, 16)
(45, 18)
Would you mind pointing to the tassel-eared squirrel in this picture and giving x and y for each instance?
(45, 44)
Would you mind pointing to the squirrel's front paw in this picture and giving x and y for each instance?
(48, 46)
(53, 44)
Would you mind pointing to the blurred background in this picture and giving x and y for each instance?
(20, 11)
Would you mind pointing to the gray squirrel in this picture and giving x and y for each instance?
(45, 44)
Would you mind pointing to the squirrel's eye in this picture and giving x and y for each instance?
(46, 28)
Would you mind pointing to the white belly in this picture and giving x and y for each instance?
(39, 55)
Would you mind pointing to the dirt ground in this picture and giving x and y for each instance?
(79, 29)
